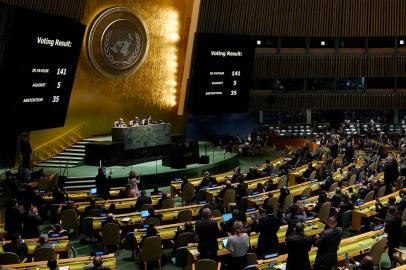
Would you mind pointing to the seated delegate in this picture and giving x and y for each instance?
(120, 123)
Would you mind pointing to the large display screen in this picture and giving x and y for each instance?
(38, 68)
(221, 74)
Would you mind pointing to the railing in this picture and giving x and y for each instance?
(60, 143)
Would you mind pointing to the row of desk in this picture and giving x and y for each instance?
(73, 263)
(354, 246)
(60, 245)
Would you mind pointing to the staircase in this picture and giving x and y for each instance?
(71, 157)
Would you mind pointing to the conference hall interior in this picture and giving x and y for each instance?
(203, 134)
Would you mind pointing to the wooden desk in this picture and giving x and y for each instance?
(340, 174)
(74, 263)
(311, 228)
(61, 245)
(298, 172)
(80, 195)
(368, 210)
(127, 203)
(221, 178)
(170, 214)
(2, 230)
(296, 190)
(354, 246)
(215, 191)
(310, 203)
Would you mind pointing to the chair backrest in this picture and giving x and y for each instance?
(154, 221)
(306, 192)
(111, 234)
(377, 250)
(94, 213)
(362, 174)
(333, 165)
(282, 181)
(87, 225)
(9, 258)
(184, 239)
(352, 180)
(216, 213)
(185, 215)
(43, 254)
(188, 192)
(346, 219)
(333, 187)
(313, 174)
(206, 264)
(43, 184)
(146, 207)
(181, 256)
(287, 202)
(381, 192)
(251, 259)
(274, 202)
(369, 196)
(151, 249)
(69, 219)
(324, 212)
(201, 196)
(168, 203)
(229, 197)
(130, 241)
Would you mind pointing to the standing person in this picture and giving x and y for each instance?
(327, 243)
(102, 183)
(393, 227)
(25, 149)
(267, 227)
(390, 173)
(31, 221)
(134, 180)
(238, 245)
(17, 246)
(13, 218)
(298, 245)
(207, 231)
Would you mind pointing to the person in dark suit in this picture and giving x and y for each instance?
(13, 218)
(327, 243)
(298, 246)
(143, 199)
(207, 231)
(97, 264)
(227, 187)
(110, 219)
(390, 173)
(25, 149)
(17, 246)
(91, 207)
(102, 184)
(31, 221)
(267, 226)
(393, 227)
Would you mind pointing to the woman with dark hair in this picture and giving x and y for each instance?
(284, 191)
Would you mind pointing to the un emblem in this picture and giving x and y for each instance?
(117, 42)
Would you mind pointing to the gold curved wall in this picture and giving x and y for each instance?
(153, 89)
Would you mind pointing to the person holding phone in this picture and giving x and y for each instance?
(298, 246)
(327, 243)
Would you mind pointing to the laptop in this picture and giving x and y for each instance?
(225, 241)
(360, 202)
(144, 214)
(378, 227)
(250, 209)
(93, 191)
(270, 256)
(305, 197)
(227, 217)
(309, 217)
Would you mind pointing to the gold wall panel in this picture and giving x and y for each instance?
(153, 89)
